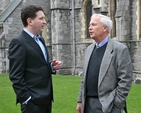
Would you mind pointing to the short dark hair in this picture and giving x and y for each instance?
(29, 12)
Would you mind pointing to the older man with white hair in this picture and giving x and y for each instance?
(107, 71)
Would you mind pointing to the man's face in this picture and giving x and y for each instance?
(38, 22)
(96, 29)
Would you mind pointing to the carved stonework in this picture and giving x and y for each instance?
(67, 44)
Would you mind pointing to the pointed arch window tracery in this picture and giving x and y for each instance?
(113, 8)
(88, 15)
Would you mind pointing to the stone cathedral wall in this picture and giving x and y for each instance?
(136, 43)
(58, 33)
(12, 26)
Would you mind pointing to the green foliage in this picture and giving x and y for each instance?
(66, 90)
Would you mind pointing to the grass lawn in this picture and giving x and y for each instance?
(65, 95)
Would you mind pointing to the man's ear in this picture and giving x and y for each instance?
(105, 28)
(29, 21)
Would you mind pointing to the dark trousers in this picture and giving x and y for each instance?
(30, 107)
(115, 110)
(93, 105)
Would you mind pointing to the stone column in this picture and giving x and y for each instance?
(61, 30)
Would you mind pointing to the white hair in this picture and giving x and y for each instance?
(105, 20)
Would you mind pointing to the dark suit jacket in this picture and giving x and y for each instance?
(115, 76)
(29, 72)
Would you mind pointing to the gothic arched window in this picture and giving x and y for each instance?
(98, 2)
(113, 7)
(88, 16)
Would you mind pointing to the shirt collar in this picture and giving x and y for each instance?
(29, 33)
(102, 42)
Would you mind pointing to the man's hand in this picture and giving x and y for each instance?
(79, 108)
(56, 64)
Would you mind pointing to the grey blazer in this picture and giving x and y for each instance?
(115, 76)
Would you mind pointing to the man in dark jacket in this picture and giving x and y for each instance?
(30, 69)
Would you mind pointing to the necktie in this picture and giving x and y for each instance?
(37, 39)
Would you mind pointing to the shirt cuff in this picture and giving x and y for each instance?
(27, 100)
(54, 71)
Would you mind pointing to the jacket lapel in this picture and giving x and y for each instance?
(32, 42)
(42, 40)
(106, 60)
